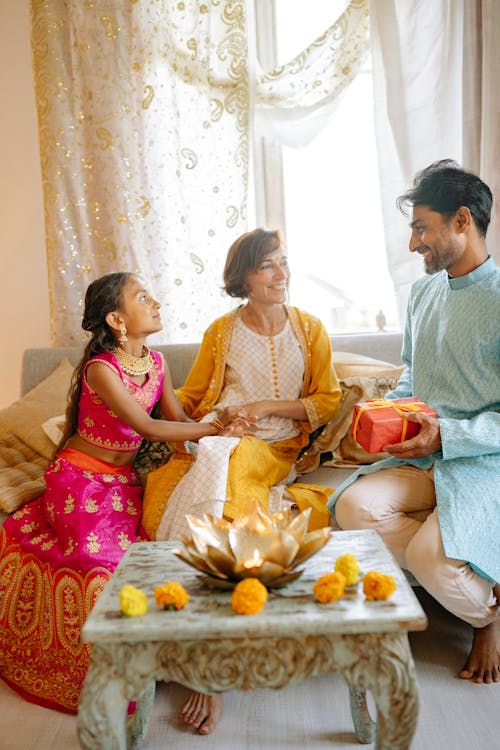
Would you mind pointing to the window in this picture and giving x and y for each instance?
(331, 203)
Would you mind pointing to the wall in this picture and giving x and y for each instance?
(24, 305)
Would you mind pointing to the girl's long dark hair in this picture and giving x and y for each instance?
(104, 295)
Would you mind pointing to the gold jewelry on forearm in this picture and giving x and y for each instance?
(218, 424)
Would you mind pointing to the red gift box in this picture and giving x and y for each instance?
(379, 423)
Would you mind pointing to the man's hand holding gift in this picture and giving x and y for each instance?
(426, 442)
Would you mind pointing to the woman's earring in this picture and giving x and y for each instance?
(122, 338)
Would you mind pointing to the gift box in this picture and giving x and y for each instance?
(376, 424)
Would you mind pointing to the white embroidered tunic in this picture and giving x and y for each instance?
(260, 368)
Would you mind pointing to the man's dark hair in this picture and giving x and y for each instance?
(444, 186)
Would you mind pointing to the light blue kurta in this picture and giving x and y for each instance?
(451, 349)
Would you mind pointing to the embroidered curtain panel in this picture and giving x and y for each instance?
(143, 124)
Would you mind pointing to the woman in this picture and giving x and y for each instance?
(270, 364)
(58, 551)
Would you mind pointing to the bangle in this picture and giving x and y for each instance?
(219, 426)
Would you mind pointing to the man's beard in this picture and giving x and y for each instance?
(440, 262)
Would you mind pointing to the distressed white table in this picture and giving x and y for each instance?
(209, 648)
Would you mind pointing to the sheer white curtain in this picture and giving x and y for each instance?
(436, 67)
(294, 101)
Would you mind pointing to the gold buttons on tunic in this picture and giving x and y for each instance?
(274, 368)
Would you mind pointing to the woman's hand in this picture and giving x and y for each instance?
(237, 428)
(251, 412)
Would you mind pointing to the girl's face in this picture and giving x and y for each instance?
(268, 283)
(140, 312)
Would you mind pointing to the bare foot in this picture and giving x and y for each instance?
(202, 711)
(483, 662)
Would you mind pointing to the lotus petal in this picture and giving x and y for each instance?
(199, 563)
(223, 561)
(277, 583)
(312, 542)
(218, 523)
(283, 549)
(298, 525)
(203, 533)
(265, 572)
(282, 518)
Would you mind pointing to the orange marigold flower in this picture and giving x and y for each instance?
(133, 602)
(329, 587)
(349, 567)
(249, 597)
(171, 595)
(378, 585)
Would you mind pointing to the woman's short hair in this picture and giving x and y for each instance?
(246, 254)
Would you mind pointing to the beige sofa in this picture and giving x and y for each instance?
(367, 366)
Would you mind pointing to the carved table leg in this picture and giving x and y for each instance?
(115, 677)
(395, 693)
(102, 712)
(138, 723)
(364, 726)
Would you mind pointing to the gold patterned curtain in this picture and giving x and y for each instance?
(144, 114)
(143, 121)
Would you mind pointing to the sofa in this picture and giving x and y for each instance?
(367, 366)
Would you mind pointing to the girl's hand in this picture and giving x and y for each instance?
(256, 410)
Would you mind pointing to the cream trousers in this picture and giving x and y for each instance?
(401, 505)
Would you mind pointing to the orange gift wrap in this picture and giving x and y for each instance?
(376, 424)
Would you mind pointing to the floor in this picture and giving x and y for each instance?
(313, 715)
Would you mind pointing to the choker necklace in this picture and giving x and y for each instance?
(134, 365)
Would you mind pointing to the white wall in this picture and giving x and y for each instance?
(24, 305)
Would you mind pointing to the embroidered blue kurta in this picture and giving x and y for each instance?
(451, 349)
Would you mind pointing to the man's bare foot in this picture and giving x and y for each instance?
(202, 711)
(483, 662)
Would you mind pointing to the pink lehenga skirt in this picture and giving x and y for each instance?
(56, 554)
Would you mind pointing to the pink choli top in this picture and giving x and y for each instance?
(98, 425)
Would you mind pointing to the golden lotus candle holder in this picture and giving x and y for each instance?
(255, 545)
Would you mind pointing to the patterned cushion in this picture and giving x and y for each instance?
(334, 446)
(21, 473)
(24, 418)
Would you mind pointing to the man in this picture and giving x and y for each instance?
(435, 501)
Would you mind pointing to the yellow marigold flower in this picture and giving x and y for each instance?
(171, 595)
(329, 587)
(378, 585)
(349, 567)
(133, 602)
(249, 597)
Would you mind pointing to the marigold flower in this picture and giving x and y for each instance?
(133, 602)
(378, 585)
(171, 595)
(249, 597)
(329, 587)
(349, 567)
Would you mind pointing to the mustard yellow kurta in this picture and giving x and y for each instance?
(255, 465)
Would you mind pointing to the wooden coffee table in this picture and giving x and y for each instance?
(209, 648)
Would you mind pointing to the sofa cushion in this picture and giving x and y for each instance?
(21, 473)
(25, 417)
(334, 446)
(350, 364)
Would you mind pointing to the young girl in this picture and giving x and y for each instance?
(58, 551)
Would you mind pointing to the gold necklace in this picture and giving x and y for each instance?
(134, 365)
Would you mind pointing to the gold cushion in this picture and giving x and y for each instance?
(349, 364)
(24, 418)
